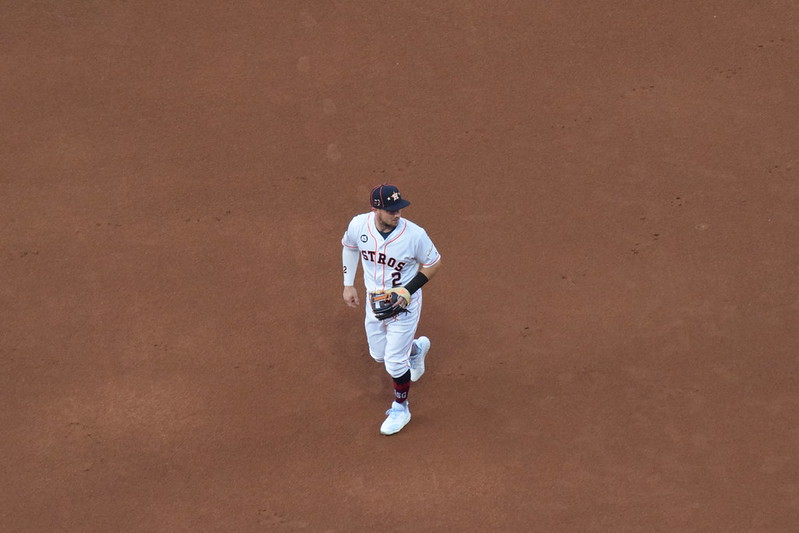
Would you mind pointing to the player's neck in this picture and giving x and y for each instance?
(384, 229)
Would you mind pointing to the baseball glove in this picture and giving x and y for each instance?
(390, 303)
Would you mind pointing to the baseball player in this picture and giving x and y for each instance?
(398, 258)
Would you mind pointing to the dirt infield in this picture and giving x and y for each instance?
(613, 189)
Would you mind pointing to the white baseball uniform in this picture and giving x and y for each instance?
(391, 262)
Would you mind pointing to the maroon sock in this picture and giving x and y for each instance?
(402, 385)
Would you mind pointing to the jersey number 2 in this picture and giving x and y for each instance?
(395, 276)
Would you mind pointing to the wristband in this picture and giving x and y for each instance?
(416, 283)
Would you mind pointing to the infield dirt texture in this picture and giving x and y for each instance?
(612, 186)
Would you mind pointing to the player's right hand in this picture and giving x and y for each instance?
(351, 296)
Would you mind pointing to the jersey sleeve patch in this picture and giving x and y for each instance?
(428, 255)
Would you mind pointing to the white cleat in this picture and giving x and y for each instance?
(417, 361)
(398, 416)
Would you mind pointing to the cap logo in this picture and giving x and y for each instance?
(388, 197)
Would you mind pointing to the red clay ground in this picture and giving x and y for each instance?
(612, 184)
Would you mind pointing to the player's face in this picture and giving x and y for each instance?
(388, 219)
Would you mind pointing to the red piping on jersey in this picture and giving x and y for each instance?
(400, 234)
(404, 226)
(369, 224)
(438, 258)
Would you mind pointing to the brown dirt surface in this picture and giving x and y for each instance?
(612, 186)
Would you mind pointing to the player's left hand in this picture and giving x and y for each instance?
(404, 296)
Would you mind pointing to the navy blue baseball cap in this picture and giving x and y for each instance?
(388, 197)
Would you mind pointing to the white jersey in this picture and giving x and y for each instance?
(392, 261)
